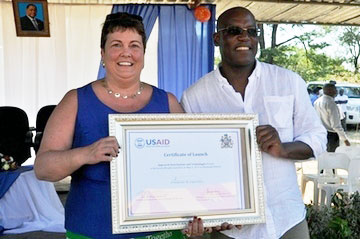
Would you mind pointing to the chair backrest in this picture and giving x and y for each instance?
(351, 151)
(43, 116)
(330, 160)
(16, 138)
(41, 120)
(354, 174)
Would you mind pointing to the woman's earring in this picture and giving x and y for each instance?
(103, 63)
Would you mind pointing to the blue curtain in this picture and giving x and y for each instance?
(186, 49)
(149, 14)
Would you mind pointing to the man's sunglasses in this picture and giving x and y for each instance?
(235, 31)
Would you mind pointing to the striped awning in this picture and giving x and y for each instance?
(330, 12)
(338, 12)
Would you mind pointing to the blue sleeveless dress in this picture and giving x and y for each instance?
(88, 205)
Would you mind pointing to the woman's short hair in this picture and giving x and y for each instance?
(122, 21)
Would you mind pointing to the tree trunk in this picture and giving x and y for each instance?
(273, 35)
(261, 40)
(273, 43)
(356, 59)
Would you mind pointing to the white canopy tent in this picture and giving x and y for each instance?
(38, 71)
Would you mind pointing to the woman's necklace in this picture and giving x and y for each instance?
(118, 95)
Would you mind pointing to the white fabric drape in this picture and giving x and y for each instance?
(38, 71)
(31, 205)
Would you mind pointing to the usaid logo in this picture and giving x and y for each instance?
(141, 143)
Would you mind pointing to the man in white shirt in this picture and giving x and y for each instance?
(29, 22)
(289, 127)
(341, 100)
(330, 117)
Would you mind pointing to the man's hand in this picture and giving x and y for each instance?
(196, 229)
(226, 226)
(269, 141)
(347, 143)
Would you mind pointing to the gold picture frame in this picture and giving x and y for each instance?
(172, 167)
(31, 18)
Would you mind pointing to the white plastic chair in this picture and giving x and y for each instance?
(352, 151)
(354, 175)
(326, 177)
(328, 182)
(309, 177)
(352, 185)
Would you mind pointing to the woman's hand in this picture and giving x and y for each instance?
(195, 229)
(103, 150)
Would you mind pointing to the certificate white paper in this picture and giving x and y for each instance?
(178, 177)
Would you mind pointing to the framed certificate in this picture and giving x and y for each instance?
(172, 167)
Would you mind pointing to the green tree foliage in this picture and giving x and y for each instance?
(303, 54)
(308, 63)
(351, 39)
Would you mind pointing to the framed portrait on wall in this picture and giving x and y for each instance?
(31, 18)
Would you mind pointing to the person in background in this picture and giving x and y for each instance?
(315, 94)
(329, 114)
(29, 22)
(341, 100)
(289, 127)
(76, 140)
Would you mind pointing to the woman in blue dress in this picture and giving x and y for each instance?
(76, 141)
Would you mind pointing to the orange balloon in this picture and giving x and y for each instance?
(202, 14)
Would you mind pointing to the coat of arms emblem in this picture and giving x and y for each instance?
(226, 141)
